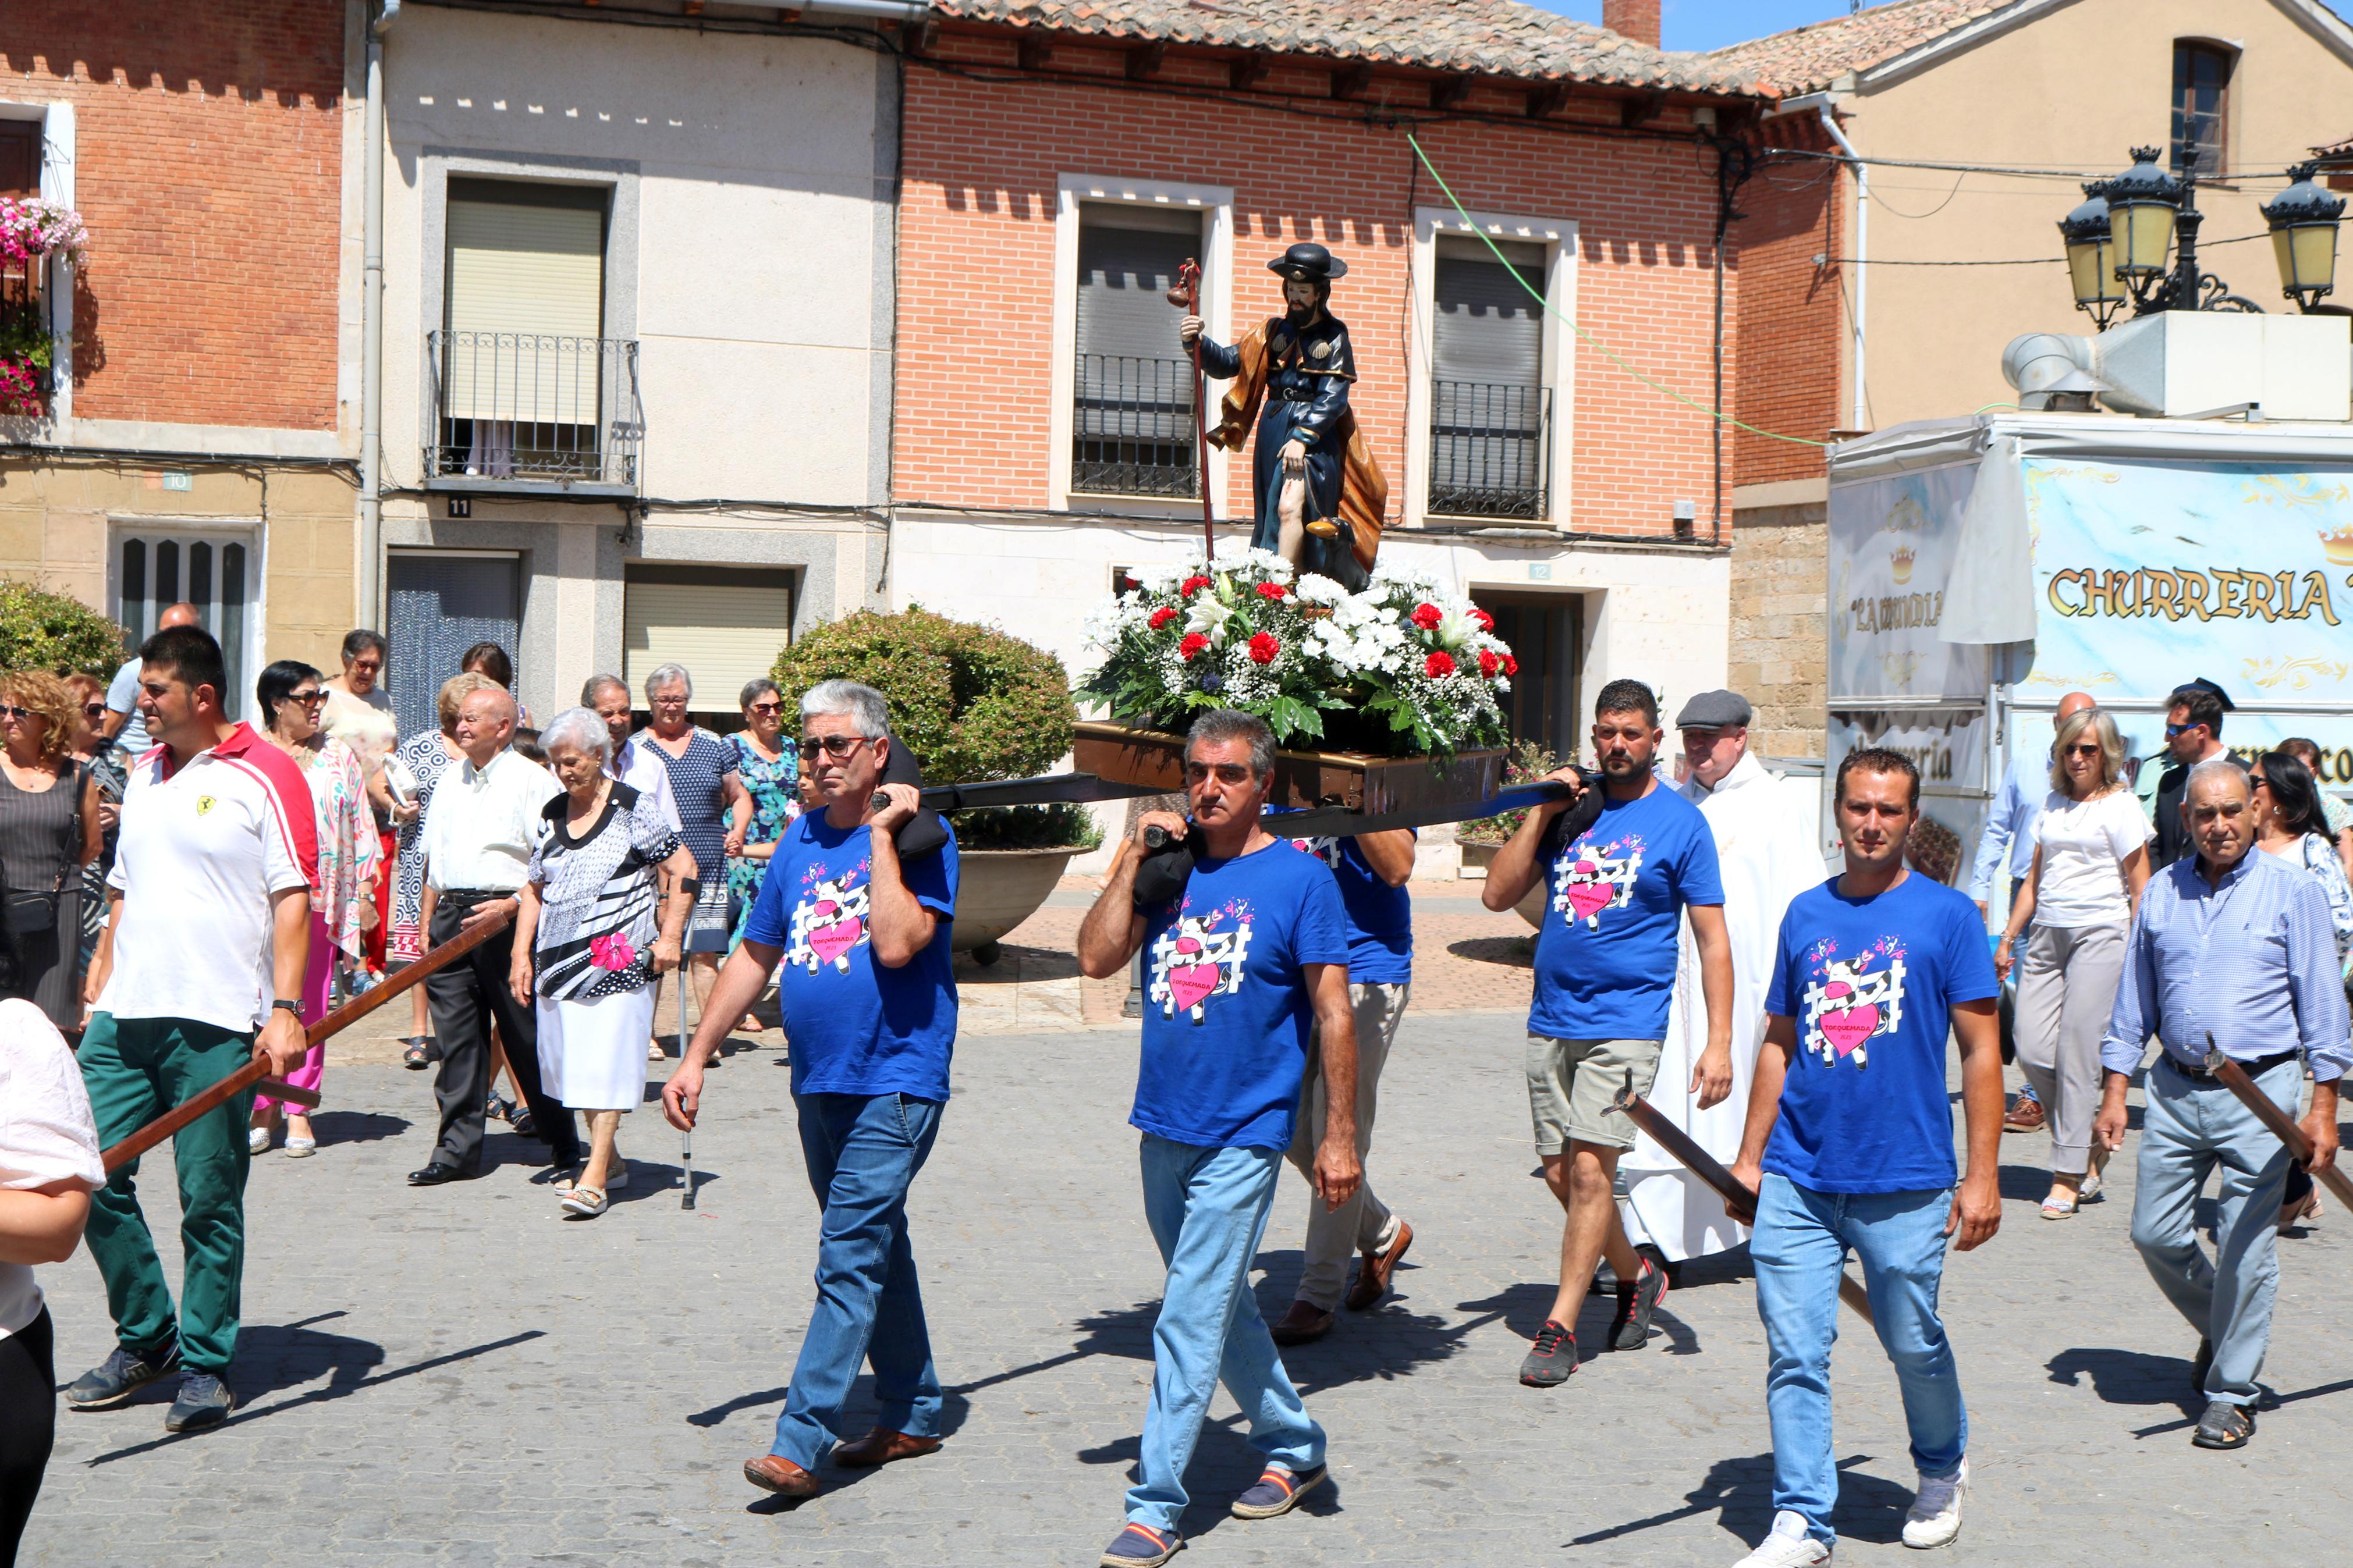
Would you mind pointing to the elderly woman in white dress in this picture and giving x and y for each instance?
(588, 942)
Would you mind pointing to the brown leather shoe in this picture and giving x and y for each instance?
(1373, 1273)
(881, 1446)
(2024, 1116)
(1303, 1324)
(775, 1473)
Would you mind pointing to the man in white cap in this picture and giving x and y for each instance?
(1765, 859)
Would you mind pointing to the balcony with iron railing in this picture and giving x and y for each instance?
(1490, 449)
(532, 413)
(1133, 430)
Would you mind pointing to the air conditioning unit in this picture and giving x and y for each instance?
(2180, 365)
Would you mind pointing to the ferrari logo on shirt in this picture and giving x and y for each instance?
(204, 803)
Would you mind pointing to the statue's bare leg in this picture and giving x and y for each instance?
(1290, 511)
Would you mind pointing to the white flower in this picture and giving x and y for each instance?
(1207, 617)
(1314, 588)
(1456, 628)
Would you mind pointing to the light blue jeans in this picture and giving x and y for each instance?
(1799, 1245)
(1207, 1208)
(864, 1151)
(2190, 1129)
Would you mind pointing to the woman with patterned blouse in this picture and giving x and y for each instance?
(422, 760)
(343, 899)
(588, 946)
(770, 773)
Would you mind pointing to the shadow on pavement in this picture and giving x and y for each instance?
(1223, 1466)
(1511, 951)
(2129, 1377)
(858, 1415)
(332, 1127)
(1741, 1492)
(344, 1358)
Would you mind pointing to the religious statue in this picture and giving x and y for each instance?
(1321, 496)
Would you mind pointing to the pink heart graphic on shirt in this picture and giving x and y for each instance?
(1586, 896)
(1848, 1026)
(833, 941)
(1191, 983)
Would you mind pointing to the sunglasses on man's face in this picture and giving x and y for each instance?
(2173, 730)
(835, 746)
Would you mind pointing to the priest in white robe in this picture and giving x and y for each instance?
(1766, 858)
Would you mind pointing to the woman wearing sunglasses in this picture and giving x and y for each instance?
(769, 771)
(48, 832)
(342, 900)
(2091, 862)
(94, 750)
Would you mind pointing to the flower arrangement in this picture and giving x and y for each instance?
(1402, 668)
(31, 230)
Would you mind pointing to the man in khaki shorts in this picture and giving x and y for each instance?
(1605, 973)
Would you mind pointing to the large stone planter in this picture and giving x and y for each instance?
(1530, 909)
(997, 889)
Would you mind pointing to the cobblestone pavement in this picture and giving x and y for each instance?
(456, 1376)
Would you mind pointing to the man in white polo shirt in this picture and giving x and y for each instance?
(208, 934)
(485, 819)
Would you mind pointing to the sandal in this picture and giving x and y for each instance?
(518, 1118)
(422, 1052)
(301, 1148)
(2059, 1208)
(584, 1202)
(498, 1109)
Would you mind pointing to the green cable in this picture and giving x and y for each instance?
(1588, 337)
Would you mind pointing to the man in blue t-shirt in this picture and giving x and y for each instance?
(1370, 871)
(869, 1005)
(1249, 958)
(1850, 1144)
(1606, 957)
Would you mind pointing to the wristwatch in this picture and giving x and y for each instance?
(294, 1007)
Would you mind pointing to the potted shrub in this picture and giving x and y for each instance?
(1480, 838)
(973, 704)
(56, 632)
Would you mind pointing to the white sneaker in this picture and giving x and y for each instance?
(1788, 1547)
(1935, 1517)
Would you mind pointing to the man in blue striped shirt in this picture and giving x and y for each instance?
(2232, 951)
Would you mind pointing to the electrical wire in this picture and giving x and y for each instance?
(1588, 338)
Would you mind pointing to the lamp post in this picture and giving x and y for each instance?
(2149, 211)
(2091, 251)
(2302, 220)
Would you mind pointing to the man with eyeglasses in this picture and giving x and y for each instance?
(869, 1005)
(2193, 734)
(1247, 960)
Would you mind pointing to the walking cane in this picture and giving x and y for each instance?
(686, 1138)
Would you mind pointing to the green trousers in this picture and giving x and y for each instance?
(135, 1070)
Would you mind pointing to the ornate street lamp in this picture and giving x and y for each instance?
(2144, 202)
(2302, 220)
(2091, 251)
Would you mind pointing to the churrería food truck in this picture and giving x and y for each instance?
(1981, 568)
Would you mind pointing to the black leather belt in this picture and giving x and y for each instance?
(474, 895)
(1294, 393)
(2255, 1068)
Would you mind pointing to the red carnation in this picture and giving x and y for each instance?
(1486, 621)
(1162, 616)
(1270, 590)
(1426, 616)
(1263, 648)
(1438, 664)
(1511, 665)
(1192, 585)
(1489, 664)
(1193, 642)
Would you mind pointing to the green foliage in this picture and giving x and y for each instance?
(1527, 762)
(24, 337)
(972, 703)
(54, 632)
(1062, 826)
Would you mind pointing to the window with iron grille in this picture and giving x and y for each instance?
(1132, 428)
(2201, 103)
(214, 572)
(1490, 412)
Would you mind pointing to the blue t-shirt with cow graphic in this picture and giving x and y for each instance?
(1614, 903)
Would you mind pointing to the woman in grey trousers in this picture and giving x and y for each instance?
(2091, 862)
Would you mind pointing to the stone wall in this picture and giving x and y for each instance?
(1779, 651)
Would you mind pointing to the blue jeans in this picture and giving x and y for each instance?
(864, 1151)
(1207, 1208)
(2190, 1129)
(1800, 1244)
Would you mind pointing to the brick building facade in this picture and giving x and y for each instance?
(199, 446)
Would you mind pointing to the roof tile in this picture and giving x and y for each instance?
(1809, 59)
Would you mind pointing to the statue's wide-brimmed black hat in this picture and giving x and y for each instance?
(1309, 263)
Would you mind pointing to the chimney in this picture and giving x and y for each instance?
(1635, 20)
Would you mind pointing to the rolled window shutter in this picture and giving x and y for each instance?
(527, 282)
(1488, 330)
(1135, 381)
(724, 634)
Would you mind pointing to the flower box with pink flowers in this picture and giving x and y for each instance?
(31, 232)
(1382, 699)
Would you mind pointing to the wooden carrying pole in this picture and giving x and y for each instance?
(2234, 1077)
(1736, 1194)
(256, 1073)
